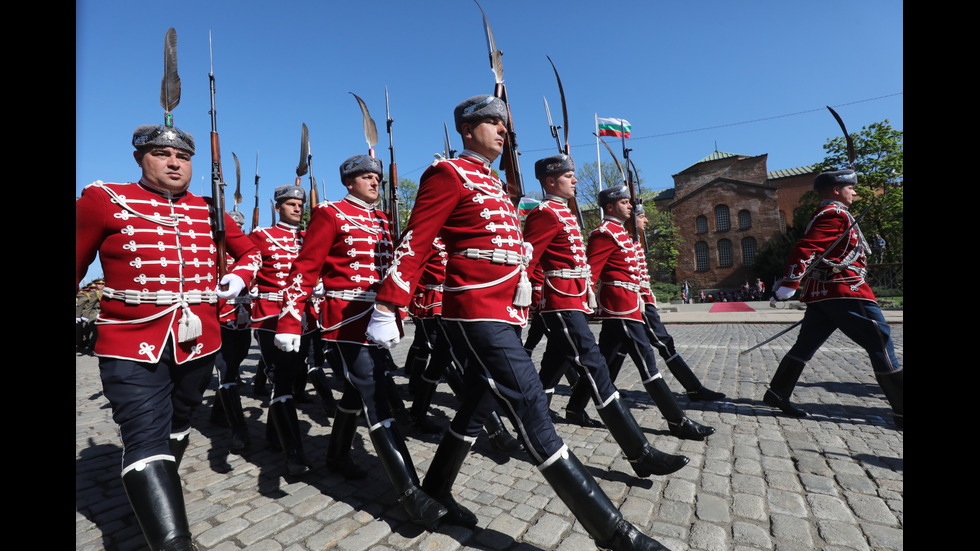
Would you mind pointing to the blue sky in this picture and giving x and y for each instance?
(749, 78)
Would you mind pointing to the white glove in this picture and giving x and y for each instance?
(528, 250)
(79, 320)
(253, 292)
(383, 329)
(784, 293)
(235, 286)
(319, 291)
(287, 342)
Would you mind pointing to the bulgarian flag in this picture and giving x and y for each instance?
(526, 205)
(619, 128)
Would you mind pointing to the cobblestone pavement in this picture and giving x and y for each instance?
(832, 481)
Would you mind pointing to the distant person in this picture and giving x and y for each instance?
(829, 264)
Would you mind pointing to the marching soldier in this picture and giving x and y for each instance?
(567, 298)
(158, 326)
(348, 246)
(486, 294)
(614, 261)
(659, 337)
(830, 263)
(280, 245)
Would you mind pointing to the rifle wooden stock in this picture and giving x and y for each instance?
(509, 161)
(218, 223)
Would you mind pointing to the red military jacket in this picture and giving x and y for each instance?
(280, 245)
(646, 293)
(158, 256)
(559, 252)
(348, 246)
(427, 300)
(464, 202)
(840, 274)
(615, 265)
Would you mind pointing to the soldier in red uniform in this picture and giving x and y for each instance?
(348, 246)
(485, 299)
(615, 264)
(657, 333)
(567, 298)
(830, 263)
(158, 326)
(280, 245)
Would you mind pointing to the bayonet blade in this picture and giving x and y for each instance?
(304, 152)
(238, 182)
(564, 108)
(496, 63)
(847, 138)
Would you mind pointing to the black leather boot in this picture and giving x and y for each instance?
(178, 445)
(679, 424)
(500, 438)
(158, 502)
(319, 381)
(782, 384)
(231, 403)
(598, 515)
(341, 442)
(283, 416)
(893, 385)
(260, 381)
(397, 463)
(441, 476)
(419, 414)
(575, 410)
(644, 458)
(696, 392)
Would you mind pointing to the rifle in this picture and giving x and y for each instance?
(509, 161)
(217, 180)
(255, 211)
(393, 214)
(566, 149)
(448, 152)
(305, 159)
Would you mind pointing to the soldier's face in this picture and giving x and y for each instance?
(621, 209)
(485, 137)
(641, 222)
(563, 185)
(291, 211)
(165, 169)
(365, 186)
(847, 195)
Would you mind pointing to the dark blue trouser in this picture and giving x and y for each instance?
(497, 371)
(862, 322)
(571, 343)
(151, 401)
(235, 344)
(631, 337)
(362, 370)
(283, 368)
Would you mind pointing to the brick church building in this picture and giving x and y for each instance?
(726, 207)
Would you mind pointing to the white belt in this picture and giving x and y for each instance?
(433, 287)
(625, 284)
(277, 296)
(496, 256)
(570, 273)
(160, 298)
(353, 295)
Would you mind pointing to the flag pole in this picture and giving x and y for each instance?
(598, 162)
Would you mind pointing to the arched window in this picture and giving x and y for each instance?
(744, 219)
(722, 222)
(748, 251)
(701, 256)
(724, 253)
(701, 223)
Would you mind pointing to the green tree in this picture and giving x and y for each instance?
(879, 162)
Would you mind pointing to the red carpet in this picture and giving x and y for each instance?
(731, 307)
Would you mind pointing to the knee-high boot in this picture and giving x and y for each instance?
(893, 385)
(423, 391)
(341, 442)
(231, 402)
(178, 445)
(575, 409)
(319, 381)
(644, 458)
(500, 438)
(782, 384)
(696, 392)
(590, 505)
(441, 476)
(397, 463)
(680, 425)
(157, 499)
(283, 416)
